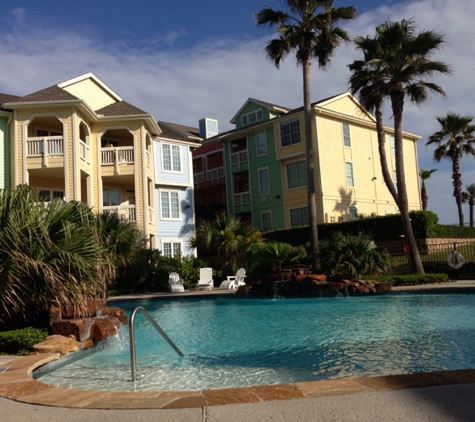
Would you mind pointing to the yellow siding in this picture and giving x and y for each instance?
(91, 92)
(346, 105)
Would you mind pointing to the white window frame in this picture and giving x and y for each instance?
(51, 193)
(345, 127)
(292, 138)
(350, 178)
(252, 117)
(172, 153)
(262, 146)
(172, 243)
(169, 193)
(259, 171)
(392, 145)
(299, 177)
(265, 213)
(300, 211)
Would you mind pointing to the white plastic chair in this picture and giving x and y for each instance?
(206, 279)
(234, 281)
(176, 286)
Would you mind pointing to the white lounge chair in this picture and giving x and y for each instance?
(206, 279)
(176, 286)
(234, 281)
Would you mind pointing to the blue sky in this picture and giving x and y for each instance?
(183, 60)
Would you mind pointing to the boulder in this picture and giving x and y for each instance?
(80, 328)
(86, 308)
(118, 313)
(317, 277)
(104, 328)
(56, 344)
(383, 287)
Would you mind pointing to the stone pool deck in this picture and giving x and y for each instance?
(438, 396)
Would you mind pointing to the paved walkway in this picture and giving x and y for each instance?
(440, 396)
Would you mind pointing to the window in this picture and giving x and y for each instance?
(44, 132)
(171, 249)
(298, 216)
(110, 197)
(264, 185)
(170, 204)
(261, 143)
(350, 182)
(296, 174)
(266, 221)
(346, 134)
(353, 212)
(393, 145)
(290, 132)
(171, 157)
(252, 117)
(47, 195)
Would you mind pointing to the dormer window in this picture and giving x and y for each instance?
(252, 117)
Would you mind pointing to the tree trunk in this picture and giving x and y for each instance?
(309, 150)
(457, 183)
(382, 153)
(423, 196)
(397, 103)
(471, 203)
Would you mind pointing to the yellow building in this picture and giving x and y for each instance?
(266, 164)
(80, 141)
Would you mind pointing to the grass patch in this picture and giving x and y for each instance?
(20, 342)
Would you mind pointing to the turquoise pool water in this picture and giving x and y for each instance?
(231, 342)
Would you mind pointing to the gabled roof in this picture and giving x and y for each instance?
(272, 107)
(93, 77)
(121, 108)
(6, 98)
(184, 132)
(52, 93)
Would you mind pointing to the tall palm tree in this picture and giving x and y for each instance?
(453, 140)
(471, 200)
(310, 30)
(424, 175)
(395, 62)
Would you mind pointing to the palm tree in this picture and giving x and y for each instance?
(311, 35)
(228, 237)
(395, 62)
(424, 175)
(471, 200)
(453, 140)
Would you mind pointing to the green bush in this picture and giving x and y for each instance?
(457, 232)
(411, 279)
(20, 342)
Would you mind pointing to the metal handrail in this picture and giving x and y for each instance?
(133, 365)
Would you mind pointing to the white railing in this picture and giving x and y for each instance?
(215, 174)
(85, 152)
(243, 198)
(118, 155)
(125, 212)
(198, 178)
(239, 157)
(36, 146)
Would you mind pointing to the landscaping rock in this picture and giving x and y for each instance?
(383, 287)
(104, 328)
(57, 344)
(118, 313)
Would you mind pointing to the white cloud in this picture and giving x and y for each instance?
(215, 77)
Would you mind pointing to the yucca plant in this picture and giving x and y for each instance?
(353, 256)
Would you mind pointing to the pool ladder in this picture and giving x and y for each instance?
(133, 363)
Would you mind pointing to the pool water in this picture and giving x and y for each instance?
(230, 342)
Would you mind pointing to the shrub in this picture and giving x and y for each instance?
(20, 342)
(411, 279)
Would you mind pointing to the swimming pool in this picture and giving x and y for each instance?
(231, 342)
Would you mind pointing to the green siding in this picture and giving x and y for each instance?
(4, 160)
(250, 107)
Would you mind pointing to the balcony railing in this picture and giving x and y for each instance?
(85, 152)
(117, 155)
(239, 157)
(215, 174)
(198, 178)
(241, 199)
(45, 146)
(125, 212)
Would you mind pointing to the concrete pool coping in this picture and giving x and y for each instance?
(17, 384)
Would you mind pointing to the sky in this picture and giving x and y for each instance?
(183, 60)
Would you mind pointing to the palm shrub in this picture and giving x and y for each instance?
(47, 254)
(353, 255)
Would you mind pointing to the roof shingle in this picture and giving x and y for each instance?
(53, 93)
(121, 108)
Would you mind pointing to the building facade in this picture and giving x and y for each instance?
(265, 163)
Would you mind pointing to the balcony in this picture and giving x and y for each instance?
(241, 199)
(198, 178)
(125, 212)
(239, 158)
(41, 146)
(117, 155)
(215, 174)
(85, 152)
